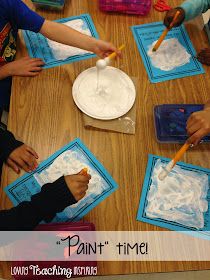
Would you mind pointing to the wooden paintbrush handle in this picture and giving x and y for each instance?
(160, 40)
(113, 55)
(181, 152)
(84, 172)
(174, 20)
(165, 32)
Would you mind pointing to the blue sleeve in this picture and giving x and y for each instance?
(194, 8)
(20, 16)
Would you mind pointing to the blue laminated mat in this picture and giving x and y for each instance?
(146, 34)
(75, 156)
(172, 225)
(38, 46)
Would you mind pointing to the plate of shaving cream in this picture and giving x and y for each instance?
(104, 94)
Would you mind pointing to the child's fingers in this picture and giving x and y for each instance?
(190, 122)
(119, 54)
(83, 187)
(80, 196)
(83, 178)
(32, 74)
(83, 173)
(37, 60)
(38, 63)
(13, 165)
(169, 17)
(193, 128)
(30, 161)
(30, 150)
(21, 163)
(196, 137)
(36, 69)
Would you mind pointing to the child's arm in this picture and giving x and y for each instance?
(68, 36)
(188, 10)
(198, 124)
(194, 8)
(52, 199)
(25, 67)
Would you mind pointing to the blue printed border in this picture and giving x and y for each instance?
(29, 42)
(92, 159)
(170, 76)
(141, 214)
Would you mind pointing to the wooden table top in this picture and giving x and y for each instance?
(43, 115)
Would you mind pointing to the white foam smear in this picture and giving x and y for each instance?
(69, 163)
(61, 51)
(170, 55)
(165, 171)
(181, 197)
(107, 95)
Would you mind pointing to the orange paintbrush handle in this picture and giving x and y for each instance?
(181, 152)
(84, 171)
(165, 32)
(174, 19)
(160, 40)
(113, 55)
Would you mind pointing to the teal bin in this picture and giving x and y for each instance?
(49, 4)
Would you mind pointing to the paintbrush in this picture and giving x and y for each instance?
(164, 173)
(114, 54)
(102, 63)
(84, 171)
(165, 32)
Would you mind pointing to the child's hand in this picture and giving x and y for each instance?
(23, 157)
(25, 67)
(204, 56)
(78, 185)
(198, 126)
(170, 16)
(103, 49)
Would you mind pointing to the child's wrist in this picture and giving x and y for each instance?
(92, 44)
(8, 70)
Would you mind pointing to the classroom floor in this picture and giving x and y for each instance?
(191, 275)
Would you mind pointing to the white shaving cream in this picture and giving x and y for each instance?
(61, 51)
(108, 94)
(69, 163)
(180, 197)
(170, 55)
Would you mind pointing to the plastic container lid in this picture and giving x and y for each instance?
(170, 122)
(52, 4)
(138, 7)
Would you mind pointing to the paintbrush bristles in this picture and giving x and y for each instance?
(164, 173)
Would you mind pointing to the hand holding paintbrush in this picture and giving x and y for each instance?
(165, 32)
(102, 63)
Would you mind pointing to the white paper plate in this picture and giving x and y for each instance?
(116, 97)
